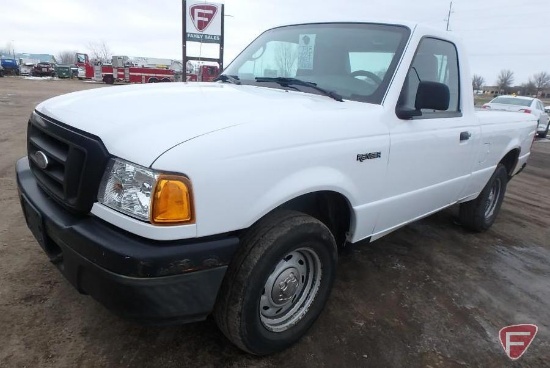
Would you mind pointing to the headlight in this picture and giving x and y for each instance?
(146, 194)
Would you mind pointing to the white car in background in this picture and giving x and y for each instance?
(81, 73)
(528, 105)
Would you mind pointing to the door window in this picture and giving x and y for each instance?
(435, 61)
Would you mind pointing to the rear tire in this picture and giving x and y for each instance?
(278, 283)
(109, 79)
(545, 133)
(152, 80)
(480, 214)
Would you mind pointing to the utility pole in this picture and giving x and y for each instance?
(449, 15)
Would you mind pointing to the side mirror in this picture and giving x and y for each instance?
(431, 96)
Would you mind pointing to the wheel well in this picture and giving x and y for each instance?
(510, 160)
(331, 208)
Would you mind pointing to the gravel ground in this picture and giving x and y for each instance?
(429, 294)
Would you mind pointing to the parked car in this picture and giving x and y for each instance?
(527, 105)
(26, 68)
(63, 71)
(238, 209)
(81, 73)
(26, 65)
(74, 71)
(1, 71)
(43, 69)
(10, 66)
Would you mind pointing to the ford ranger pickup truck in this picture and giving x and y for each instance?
(171, 202)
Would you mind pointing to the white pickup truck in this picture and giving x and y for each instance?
(170, 202)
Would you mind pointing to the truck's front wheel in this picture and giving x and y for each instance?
(278, 283)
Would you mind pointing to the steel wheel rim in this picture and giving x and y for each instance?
(290, 289)
(492, 200)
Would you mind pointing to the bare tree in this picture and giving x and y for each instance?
(8, 50)
(529, 88)
(66, 57)
(477, 82)
(505, 80)
(540, 81)
(99, 51)
(285, 57)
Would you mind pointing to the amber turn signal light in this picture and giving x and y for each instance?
(172, 201)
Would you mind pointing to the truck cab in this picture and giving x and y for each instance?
(10, 66)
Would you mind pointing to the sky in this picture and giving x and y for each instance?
(498, 34)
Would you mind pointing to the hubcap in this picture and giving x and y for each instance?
(285, 286)
(492, 200)
(290, 289)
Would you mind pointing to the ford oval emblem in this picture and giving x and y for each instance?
(41, 160)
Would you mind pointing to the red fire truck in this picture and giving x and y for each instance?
(203, 73)
(123, 70)
(141, 70)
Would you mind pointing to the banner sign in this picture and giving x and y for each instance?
(203, 21)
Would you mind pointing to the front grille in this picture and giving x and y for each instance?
(76, 161)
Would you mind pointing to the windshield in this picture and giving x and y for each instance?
(512, 101)
(357, 61)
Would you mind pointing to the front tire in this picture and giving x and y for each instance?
(480, 214)
(278, 283)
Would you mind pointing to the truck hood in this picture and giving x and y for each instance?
(140, 122)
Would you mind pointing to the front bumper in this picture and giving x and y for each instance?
(41, 73)
(149, 281)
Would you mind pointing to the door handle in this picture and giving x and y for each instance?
(464, 136)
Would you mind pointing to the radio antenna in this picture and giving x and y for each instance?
(449, 15)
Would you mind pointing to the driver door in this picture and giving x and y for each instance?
(431, 156)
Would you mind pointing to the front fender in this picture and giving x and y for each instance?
(242, 180)
(230, 196)
(309, 180)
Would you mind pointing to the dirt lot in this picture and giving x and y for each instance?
(429, 294)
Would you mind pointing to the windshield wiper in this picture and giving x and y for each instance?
(228, 78)
(289, 82)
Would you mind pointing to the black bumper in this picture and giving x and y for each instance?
(153, 282)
